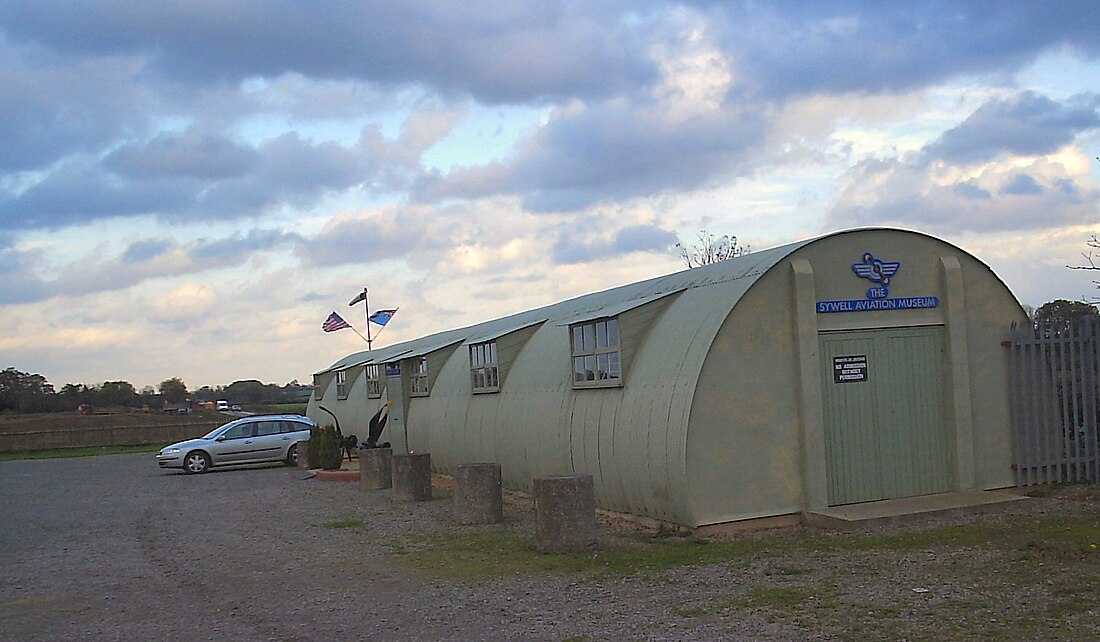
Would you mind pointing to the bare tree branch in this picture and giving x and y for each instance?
(1092, 256)
(711, 250)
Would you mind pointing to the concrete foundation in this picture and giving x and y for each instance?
(375, 468)
(565, 513)
(303, 455)
(412, 477)
(477, 496)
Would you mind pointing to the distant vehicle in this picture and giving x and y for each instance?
(183, 411)
(247, 440)
(222, 404)
(236, 406)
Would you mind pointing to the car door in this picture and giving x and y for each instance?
(271, 441)
(234, 445)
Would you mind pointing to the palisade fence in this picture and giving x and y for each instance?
(1055, 391)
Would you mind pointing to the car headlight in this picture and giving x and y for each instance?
(170, 451)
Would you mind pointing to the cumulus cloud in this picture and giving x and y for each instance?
(495, 50)
(1008, 166)
(786, 49)
(140, 261)
(18, 281)
(581, 247)
(199, 176)
(184, 304)
(1027, 124)
(183, 154)
(588, 155)
(52, 107)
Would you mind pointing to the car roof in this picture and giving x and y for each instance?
(280, 416)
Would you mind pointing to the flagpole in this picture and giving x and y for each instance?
(366, 316)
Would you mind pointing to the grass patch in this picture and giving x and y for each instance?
(347, 522)
(690, 611)
(1041, 544)
(499, 551)
(780, 598)
(91, 451)
(286, 408)
(1013, 576)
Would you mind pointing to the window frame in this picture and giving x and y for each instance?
(373, 373)
(484, 367)
(590, 352)
(342, 388)
(418, 377)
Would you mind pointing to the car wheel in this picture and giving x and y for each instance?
(196, 462)
(292, 455)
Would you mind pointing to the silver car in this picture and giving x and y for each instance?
(247, 440)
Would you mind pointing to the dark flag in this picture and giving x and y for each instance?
(362, 296)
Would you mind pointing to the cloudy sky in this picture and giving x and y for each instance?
(188, 188)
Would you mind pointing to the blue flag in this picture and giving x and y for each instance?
(382, 317)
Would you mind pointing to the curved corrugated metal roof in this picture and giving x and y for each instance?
(744, 269)
(598, 304)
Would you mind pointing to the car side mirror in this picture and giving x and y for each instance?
(219, 438)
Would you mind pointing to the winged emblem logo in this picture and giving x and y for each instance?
(876, 270)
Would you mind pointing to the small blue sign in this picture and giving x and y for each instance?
(866, 305)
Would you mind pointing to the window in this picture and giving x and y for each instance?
(264, 428)
(420, 376)
(595, 347)
(319, 384)
(342, 384)
(239, 431)
(484, 375)
(374, 381)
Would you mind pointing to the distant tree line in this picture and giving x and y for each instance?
(30, 393)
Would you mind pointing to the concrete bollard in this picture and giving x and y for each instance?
(565, 514)
(477, 498)
(375, 468)
(412, 477)
(303, 454)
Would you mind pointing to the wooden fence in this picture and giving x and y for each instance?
(1055, 388)
(91, 436)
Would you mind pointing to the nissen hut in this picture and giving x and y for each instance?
(859, 366)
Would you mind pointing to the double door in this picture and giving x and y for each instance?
(887, 432)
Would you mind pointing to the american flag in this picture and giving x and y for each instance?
(334, 322)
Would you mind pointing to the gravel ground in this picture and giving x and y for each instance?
(111, 548)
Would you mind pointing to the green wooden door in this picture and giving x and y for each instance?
(886, 432)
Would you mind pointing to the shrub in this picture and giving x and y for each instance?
(313, 447)
(330, 454)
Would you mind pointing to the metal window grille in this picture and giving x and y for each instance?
(342, 384)
(595, 351)
(374, 381)
(484, 373)
(420, 376)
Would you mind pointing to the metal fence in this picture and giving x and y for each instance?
(1055, 387)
